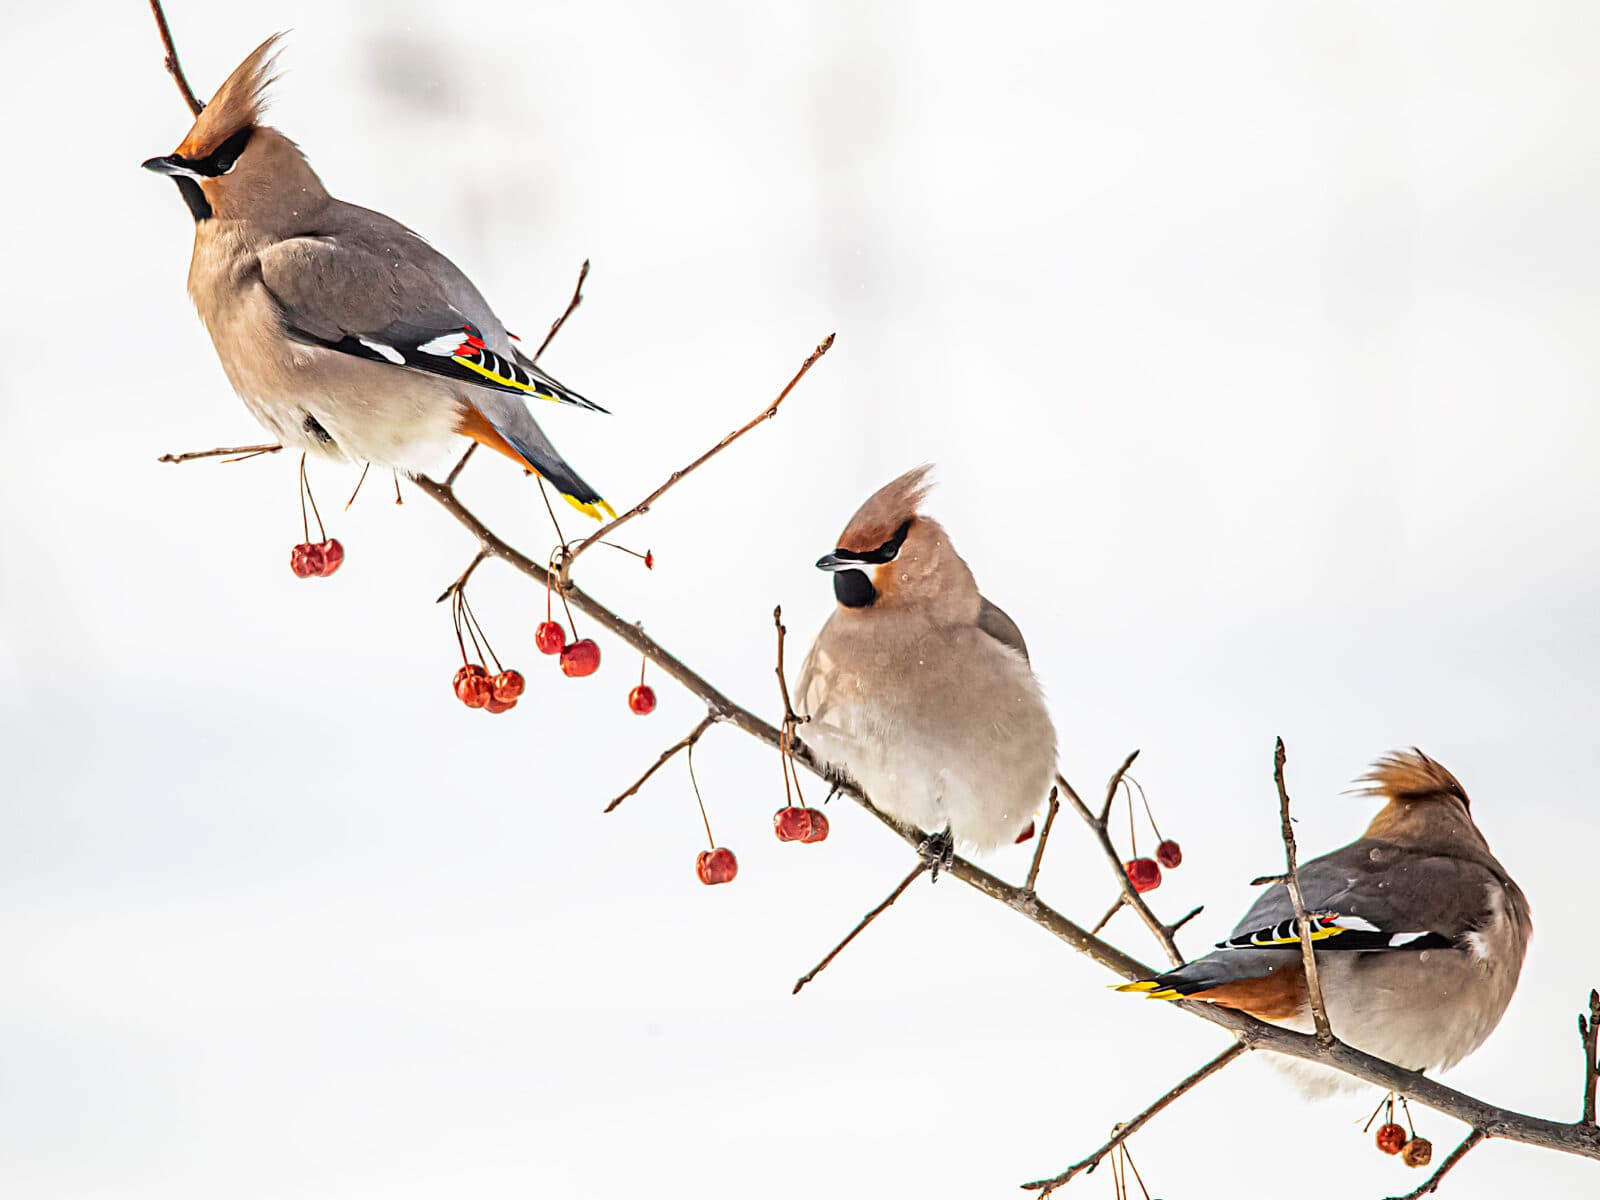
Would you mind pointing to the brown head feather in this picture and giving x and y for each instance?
(1413, 776)
(888, 508)
(239, 102)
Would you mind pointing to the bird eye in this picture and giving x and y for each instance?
(224, 164)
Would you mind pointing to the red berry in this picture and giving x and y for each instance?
(580, 658)
(507, 686)
(550, 638)
(819, 828)
(791, 824)
(499, 706)
(473, 687)
(1391, 1138)
(1169, 854)
(649, 561)
(716, 866)
(332, 556)
(1143, 873)
(1418, 1152)
(1024, 835)
(642, 699)
(306, 560)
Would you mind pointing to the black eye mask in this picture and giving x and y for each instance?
(885, 553)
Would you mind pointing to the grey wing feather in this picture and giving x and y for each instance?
(1396, 889)
(370, 276)
(992, 619)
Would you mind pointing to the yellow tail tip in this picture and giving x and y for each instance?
(1151, 989)
(593, 509)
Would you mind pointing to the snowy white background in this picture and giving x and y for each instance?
(1256, 347)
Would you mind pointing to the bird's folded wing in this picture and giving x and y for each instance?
(1375, 896)
(992, 619)
(385, 307)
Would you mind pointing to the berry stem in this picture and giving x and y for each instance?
(305, 494)
(473, 618)
(710, 841)
(359, 482)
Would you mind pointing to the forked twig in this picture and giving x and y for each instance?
(1098, 824)
(766, 414)
(243, 452)
(685, 743)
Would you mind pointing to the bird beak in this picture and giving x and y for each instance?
(170, 165)
(832, 562)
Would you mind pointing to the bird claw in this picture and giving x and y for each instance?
(938, 851)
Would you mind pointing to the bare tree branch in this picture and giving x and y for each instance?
(860, 925)
(572, 305)
(174, 68)
(1044, 837)
(241, 451)
(1126, 1129)
(1589, 1035)
(1308, 954)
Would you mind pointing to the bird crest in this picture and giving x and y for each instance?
(885, 511)
(1409, 776)
(238, 104)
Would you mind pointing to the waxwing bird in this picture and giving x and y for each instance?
(344, 332)
(1419, 934)
(918, 689)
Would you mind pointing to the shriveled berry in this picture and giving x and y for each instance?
(473, 687)
(332, 556)
(791, 824)
(1143, 873)
(306, 560)
(580, 658)
(1391, 1138)
(1169, 854)
(508, 686)
(550, 638)
(818, 832)
(716, 866)
(642, 700)
(1418, 1152)
(1024, 835)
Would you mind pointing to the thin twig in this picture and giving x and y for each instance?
(555, 327)
(174, 68)
(1431, 1184)
(246, 451)
(687, 742)
(791, 719)
(461, 579)
(1127, 1129)
(1130, 897)
(1262, 880)
(1308, 954)
(1589, 1034)
(766, 414)
(1044, 836)
(1111, 788)
(860, 925)
(1117, 906)
(461, 465)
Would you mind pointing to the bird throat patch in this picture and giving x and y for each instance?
(853, 589)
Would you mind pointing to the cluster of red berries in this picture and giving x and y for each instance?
(1145, 873)
(310, 559)
(801, 824)
(578, 658)
(1392, 1137)
(476, 688)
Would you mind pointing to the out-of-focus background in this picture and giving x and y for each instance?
(1256, 348)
